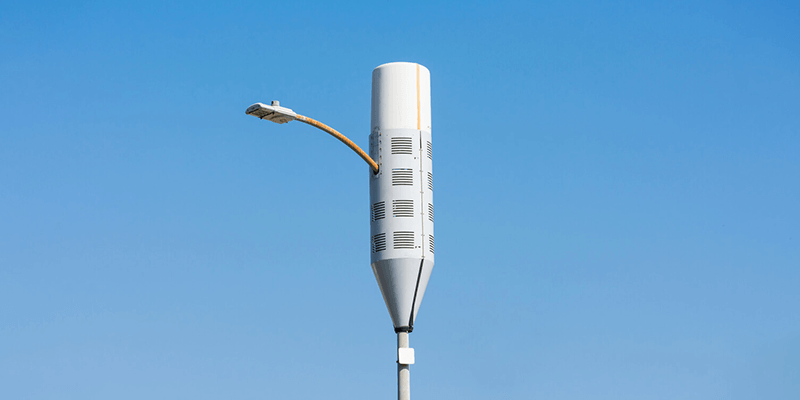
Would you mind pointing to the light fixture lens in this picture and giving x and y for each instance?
(277, 114)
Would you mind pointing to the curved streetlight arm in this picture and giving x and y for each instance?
(282, 115)
(342, 138)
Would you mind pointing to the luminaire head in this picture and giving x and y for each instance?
(273, 112)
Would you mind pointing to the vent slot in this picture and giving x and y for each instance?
(430, 181)
(430, 150)
(378, 242)
(378, 211)
(402, 177)
(430, 243)
(403, 240)
(402, 145)
(430, 212)
(403, 208)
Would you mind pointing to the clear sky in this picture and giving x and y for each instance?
(617, 191)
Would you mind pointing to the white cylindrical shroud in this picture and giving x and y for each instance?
(401, 193)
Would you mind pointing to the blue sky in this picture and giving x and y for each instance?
(617, 200)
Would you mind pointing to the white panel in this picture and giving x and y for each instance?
(425, 98)
(384, 188)
(405, 355)
(401, 96)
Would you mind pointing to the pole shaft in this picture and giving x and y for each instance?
(403, 371)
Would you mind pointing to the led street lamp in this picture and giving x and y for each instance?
(273, 112)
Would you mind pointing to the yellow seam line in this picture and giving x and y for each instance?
(418, 117)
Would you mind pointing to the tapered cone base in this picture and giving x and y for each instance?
(402, 282)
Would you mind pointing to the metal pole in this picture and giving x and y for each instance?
(403, 370)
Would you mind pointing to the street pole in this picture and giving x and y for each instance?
(401, 193)
(401, 199)
(403, 370)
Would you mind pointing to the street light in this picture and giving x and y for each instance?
(273, 112)
(282, 115)
(401, 193)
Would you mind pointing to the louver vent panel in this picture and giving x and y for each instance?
(403, 208)
(402, 145)
(378, 211)
(430, 150)
(430, 243)
(430, 180)
(402, 177)
(403, 240)
(378, 242)
(430, 212)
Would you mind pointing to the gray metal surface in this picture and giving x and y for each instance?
(403, 370)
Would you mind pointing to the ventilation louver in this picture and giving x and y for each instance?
(378, 210)
(403, 240)
(378, 242)
(402, 177)
(403, 208)
(402, 145)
